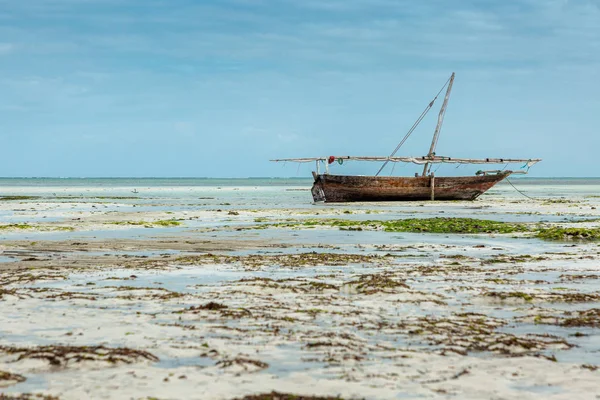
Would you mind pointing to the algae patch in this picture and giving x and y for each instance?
(149, 224)
(16, 227)
(452, 225)
(559, 233)
(442, 225)
(417, 225)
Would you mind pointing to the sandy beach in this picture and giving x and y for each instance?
(231, 291)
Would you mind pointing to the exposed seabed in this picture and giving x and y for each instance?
(222, 293)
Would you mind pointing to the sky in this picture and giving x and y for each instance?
(182, 88)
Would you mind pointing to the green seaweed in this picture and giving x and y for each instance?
(167, 222)
(444, 225)
(16, 226)
(41, 228)
(508, 295)
(559, 233)
(418, 225)
(452, 225)
(164, 223)
(558, 201)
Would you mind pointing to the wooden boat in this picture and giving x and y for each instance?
(351, 188)
(340, 188)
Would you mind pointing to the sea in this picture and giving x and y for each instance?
(262, 192)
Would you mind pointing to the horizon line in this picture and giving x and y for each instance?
(248, 177)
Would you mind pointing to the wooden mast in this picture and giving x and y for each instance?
(439, 124)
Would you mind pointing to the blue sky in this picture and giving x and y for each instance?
(216, 88)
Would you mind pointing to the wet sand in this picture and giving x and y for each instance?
(105, 298)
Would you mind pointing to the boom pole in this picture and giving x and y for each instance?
(439, 124)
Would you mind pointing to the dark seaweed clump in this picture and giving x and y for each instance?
(246, 363)
(284, 260)
(374, 283)
(62, 355)
(589, 318)
(7, 292)
(14, 198)
(551, 297)
(211, 306)
(8, 376)
(26, 396)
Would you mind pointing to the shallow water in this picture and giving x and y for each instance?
(7, 259)
(251, 193)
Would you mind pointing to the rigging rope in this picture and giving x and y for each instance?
(417, 122)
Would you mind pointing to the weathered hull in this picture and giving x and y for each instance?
(347, 188)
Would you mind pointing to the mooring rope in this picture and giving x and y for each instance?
(511, 184)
